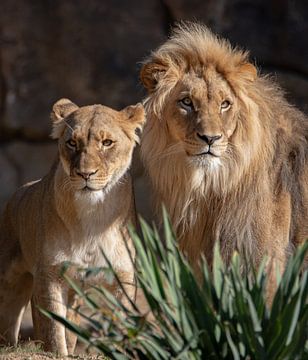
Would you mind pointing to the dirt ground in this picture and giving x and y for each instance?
(26, 355)
(29, 350)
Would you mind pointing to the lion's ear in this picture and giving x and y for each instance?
(135, 115)
(248, 71)
(136, 119)
(61, 109)
(150, 74)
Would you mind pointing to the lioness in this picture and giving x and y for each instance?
(83, 204)
(226, 153)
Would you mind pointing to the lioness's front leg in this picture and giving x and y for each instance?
(49, 293)
(72, 315)
(129, 284)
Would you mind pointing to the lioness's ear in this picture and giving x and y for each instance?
(150, 74)
(135, 114)
(136, 118)
(61, 109)
(248, 71)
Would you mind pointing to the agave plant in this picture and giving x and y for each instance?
(223, 316)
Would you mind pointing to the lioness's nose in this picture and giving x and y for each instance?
(86, 175)
(209, 139)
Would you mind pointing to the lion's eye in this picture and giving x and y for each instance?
(225, 105)
(107, 142)
(186, 103)
(71, 144)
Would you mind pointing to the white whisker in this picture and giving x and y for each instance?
(68, 125)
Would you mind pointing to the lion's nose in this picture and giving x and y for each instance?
(86, 175)
(209, 139)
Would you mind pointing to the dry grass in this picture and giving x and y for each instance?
(32, 351)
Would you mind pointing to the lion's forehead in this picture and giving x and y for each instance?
(95, 123)
(210, 86)
(96, 131)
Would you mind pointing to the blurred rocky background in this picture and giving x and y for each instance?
(89, 52)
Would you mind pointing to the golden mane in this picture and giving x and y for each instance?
(266, 160)
(190, 46)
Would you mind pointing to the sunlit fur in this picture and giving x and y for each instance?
(69, 217)
(253, 197)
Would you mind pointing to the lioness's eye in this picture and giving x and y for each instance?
(225, 105)
(186, 102)
(107, 142)
(71, 144)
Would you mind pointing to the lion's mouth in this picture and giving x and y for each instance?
(89, 189)
(204, 153)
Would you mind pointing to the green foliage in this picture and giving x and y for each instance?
(225, 317)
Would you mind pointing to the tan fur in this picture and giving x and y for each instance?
(81, 206)
(252, 196)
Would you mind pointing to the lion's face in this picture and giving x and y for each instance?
(95, 143)
(200, 115)
(198, 102)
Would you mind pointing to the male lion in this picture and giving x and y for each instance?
(82, 205)
(226, 153)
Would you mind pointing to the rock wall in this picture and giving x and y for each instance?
(89, 51)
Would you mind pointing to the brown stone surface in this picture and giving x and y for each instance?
(32, 160)
(22, 162)
(296, 88)
(86, 51)
(8, 177)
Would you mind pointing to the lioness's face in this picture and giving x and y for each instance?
(96, 144)
(200, 115)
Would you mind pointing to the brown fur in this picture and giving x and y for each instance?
(251, 195)
(82, 205)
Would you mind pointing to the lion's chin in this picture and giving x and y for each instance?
(88, 188)
(86, 195)
(207, 160)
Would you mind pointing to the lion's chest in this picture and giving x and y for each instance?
(87, 244)
(88, 248)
